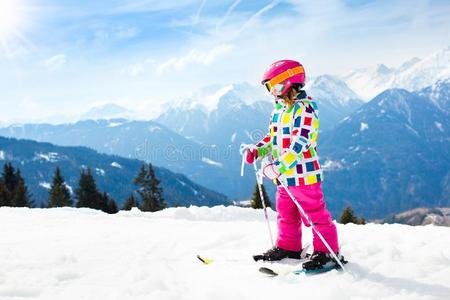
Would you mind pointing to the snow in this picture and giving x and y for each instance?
(438, 125)
(154, 129)
(364, 126)
(331, 165)
(212, 162)
(115, 124)
(50, 157)
(116, 165)
(100, 172)
(181, 182)
(45, 185)
(69, 188)
(208, 98)
(413, 75)
(69, 253)
(233, 137)
(2, 155)
(331, 89)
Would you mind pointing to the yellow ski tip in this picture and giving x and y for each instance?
(204, 260)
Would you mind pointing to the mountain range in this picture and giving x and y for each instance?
(412, 75)
(422, 216)
(114, 174)
(381, 155)
(199, 137)
(391, 155)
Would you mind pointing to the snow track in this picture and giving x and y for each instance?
(84, 254)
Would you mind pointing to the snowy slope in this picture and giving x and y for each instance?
(412, 75)
(85, 254)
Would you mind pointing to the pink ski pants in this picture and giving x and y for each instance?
(289, 220)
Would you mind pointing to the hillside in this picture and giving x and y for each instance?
(113, 174)
(391, 155)
(85, 254)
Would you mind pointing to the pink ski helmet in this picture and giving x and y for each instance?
(283, 74)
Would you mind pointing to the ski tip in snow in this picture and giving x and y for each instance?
(205, 260)
(268, 271)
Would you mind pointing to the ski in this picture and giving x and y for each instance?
(272, 272)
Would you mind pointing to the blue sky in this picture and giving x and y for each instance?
(64, 56)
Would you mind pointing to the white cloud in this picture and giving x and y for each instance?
(126, 32)
(55, 62)
(150, 5)
(259, 13)
(228, 13)
(195, 57)
(138, 69)
(199, 11)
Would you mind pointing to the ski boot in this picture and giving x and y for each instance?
(276, 253)
(321, 260)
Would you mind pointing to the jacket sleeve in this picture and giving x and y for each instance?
(303, 135)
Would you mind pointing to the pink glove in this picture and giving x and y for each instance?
(270, 171)
(251, 155)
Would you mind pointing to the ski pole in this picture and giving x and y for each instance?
(243, 149)
(312, 225)
(259, 180)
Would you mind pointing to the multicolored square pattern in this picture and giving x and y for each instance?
(292, 141)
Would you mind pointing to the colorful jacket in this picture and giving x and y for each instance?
(292, 141)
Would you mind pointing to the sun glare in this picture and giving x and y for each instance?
(10, 17)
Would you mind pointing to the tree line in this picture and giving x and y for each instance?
(14, 192)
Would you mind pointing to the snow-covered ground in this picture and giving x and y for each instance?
(84, 254)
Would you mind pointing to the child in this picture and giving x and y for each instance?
(292, 144)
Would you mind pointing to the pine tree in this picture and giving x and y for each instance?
(19, 193)
(112, 207)
(149, 189)
(9, 177)
(348, 216)
(87, 193)
(59, 194)
(256, 198)
(22, 197)
(130, 203)
(102, 202)
(5, 196)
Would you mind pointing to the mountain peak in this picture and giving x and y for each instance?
(413, 75)
(383, 69)
(106, 111)
(208, 98)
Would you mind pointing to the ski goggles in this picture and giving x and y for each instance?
(276, 90)
(275, 86)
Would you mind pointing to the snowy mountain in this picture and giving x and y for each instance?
(84, 254)
(226, 116)
(209, 126)
(392, 155)
(223, 114)
(107, 111)
(214, 108)
(412, 75)
(148, 141)
(439, 94)
(335, 99)
(114, 174)
(422, 216)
